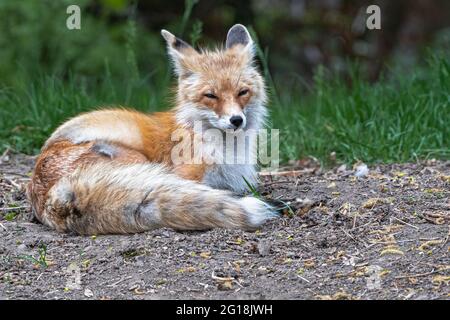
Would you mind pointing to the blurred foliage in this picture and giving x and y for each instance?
(319, 60)
(301, 35)
(34, 39)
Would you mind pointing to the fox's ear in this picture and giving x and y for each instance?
(239, 35)
(178, 50)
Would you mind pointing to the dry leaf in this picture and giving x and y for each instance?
(309, 263)
(205, 255)
(225, 285)
(391, 250)
(427, 244)
(439, 279)
(337, 296)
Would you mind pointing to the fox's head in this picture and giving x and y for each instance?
(221, 88)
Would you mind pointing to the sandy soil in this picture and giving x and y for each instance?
(382, 236)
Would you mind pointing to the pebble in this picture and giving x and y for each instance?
(361, 170)
(88, 293)
(139, 261)
(264, 248)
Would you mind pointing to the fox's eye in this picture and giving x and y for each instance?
(210, 95)
(243, 92)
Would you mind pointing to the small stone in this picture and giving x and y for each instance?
(88, 293)
(262, 271)
(302, 203)
(332, 185)
(361, 170)
(179, 238)
(166, 234)
(264, 248)
(139, 261)
(291, 254)
(134, 287)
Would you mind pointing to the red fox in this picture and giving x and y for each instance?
(111, 171)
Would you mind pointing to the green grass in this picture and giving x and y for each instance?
(41, 261)
(29, 114)
(400, 119)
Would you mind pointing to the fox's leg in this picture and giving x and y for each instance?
(63, 157)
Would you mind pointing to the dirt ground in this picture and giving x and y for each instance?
(380, 236)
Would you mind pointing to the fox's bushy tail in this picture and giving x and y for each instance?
(111, 197)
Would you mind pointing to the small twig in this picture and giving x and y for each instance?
(406, 223)
(221, 278)
(4, 154)
(146, 270)
(422, 274)
(354, 222)
(17, 174)
(50, 292)
(364, 225)
(13, 183)
(402, 241)
(353, 238)
(304, 279)
(276, 182)
(445, 240)
(292, 173)
(391, 242)
(1, 225)
(14, 208)
(117, 282)
(428, 239)
(280, 198)
(427, 218)
(238, 283)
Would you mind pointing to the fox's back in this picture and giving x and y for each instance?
(109, 125)
(148, 134)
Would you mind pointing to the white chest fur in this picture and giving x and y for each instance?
(231, 177)
(233, 160)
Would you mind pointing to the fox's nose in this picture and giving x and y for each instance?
(236, 121)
